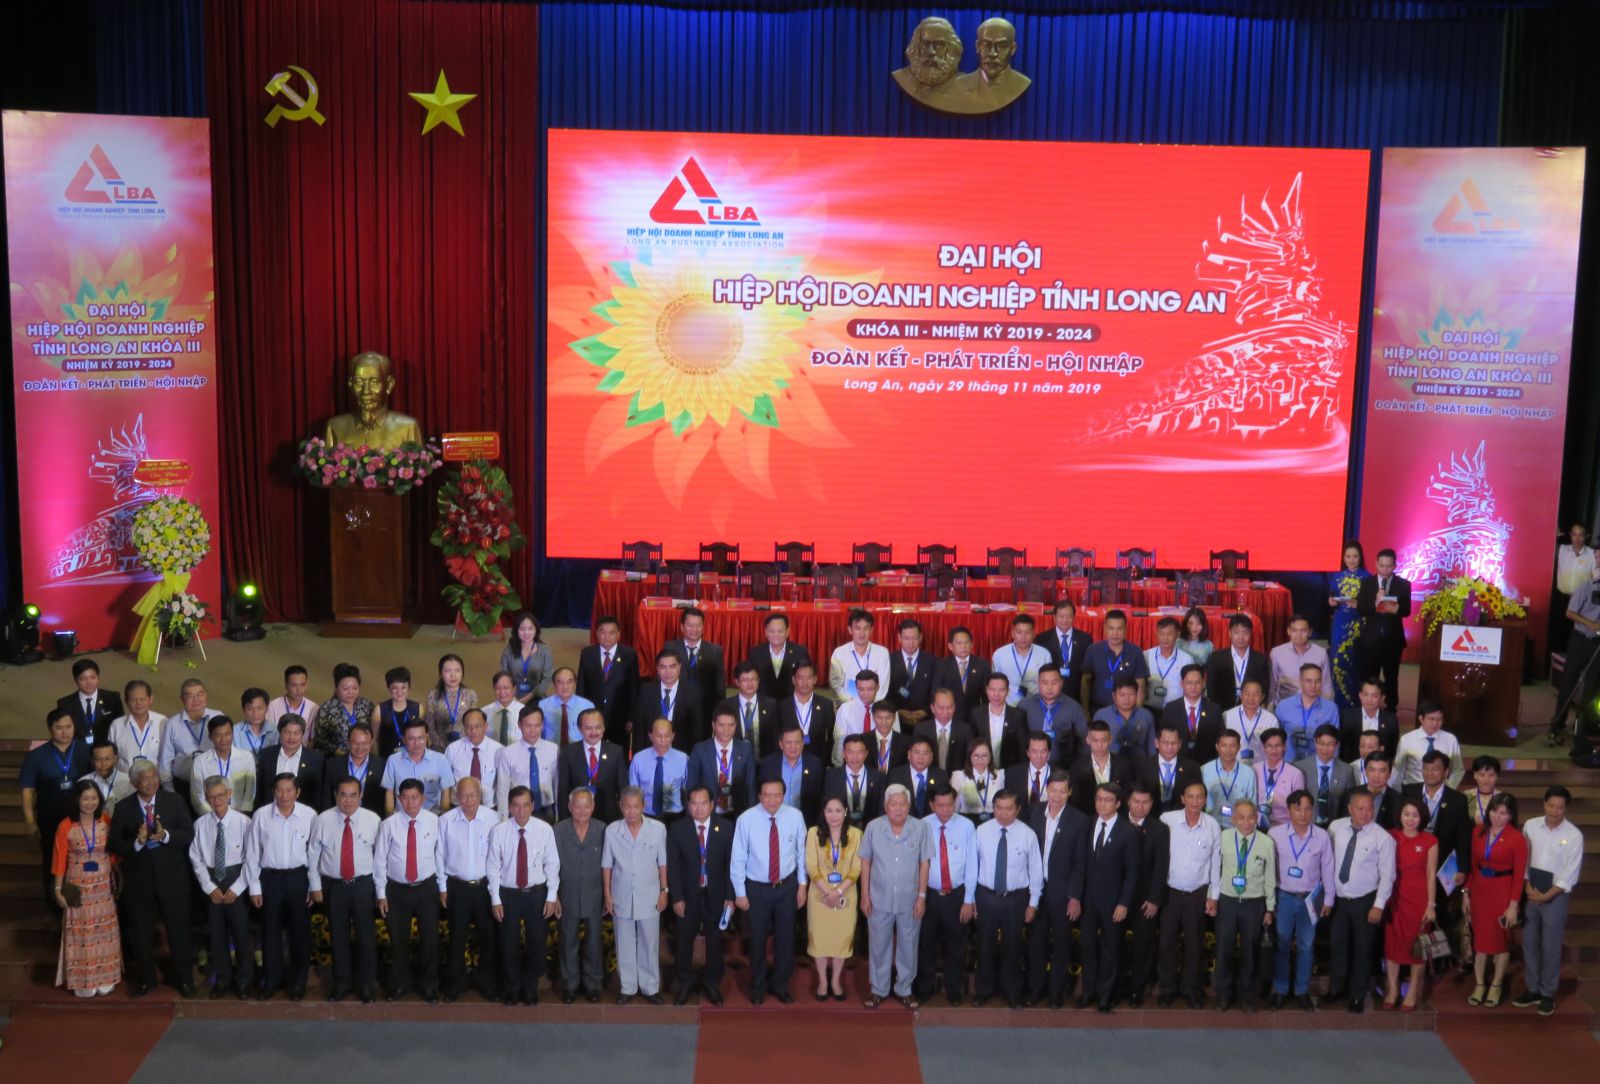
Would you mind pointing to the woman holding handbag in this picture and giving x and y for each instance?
(1411, 906)
(1494, 887)
(91, 945)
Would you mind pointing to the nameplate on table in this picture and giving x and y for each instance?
(997, 581)
(613, 575)
(1030, 608)
(658, 602)
(462, 447)
(953, 607)
(739, 604)
(827, 605)
(892, 578)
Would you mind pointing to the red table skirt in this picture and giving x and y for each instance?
(821, 631)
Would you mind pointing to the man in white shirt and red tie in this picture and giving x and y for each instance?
(768, 871)
(275, 862)
(475, 755)
(405, 875)
(524, 881)
(464, 888)
(952, 856)
(341, 861)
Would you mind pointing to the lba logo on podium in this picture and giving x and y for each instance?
(1467, 643)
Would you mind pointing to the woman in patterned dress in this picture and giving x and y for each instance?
(91, 946)
(1345, 636)
(346, 708)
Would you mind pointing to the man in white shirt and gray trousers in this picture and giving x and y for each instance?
(1555, 857)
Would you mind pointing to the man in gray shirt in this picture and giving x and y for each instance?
(580, 844)
(894, 878)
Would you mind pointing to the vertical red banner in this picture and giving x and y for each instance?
(113, 353)
(1471, 339)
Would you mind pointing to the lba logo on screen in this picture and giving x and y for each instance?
(669, 207)
(98, 187)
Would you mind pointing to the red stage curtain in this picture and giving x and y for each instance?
(362, 234)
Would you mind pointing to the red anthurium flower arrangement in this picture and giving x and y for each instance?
(477, 529)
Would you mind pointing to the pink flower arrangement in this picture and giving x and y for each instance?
(395, 471)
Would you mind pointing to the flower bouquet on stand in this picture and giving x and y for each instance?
(477, 530)
(171, 537)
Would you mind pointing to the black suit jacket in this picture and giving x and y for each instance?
(1019, 780)
(1148, 773)
(810, 781)
(947, 675)
(902, 774)
(1350, 732)
(898, 745)
(1072, 674)
(708, 677)
(312, 776)
(1452, 824)
(778, 685)
(960, 741)
(683, 860)
(1220, 677)
(1083, 782)
(1387, 813)
(372, 796)
(613, 695)
(1014, 739)
(1064, 873)
(162, 871)
(767, 722)
(836, 785)
(1203, 745)
(821, 728)
(919, 690)
(107, 706)
(686, 714)
(1383, 630)
(572, 772)
(1112, 874)
(1155, 840)
(704, 770)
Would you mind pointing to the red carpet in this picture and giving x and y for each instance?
(105, 1041)
(800, 1047)
(1494, 1056)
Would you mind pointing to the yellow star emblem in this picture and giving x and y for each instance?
(441, 106)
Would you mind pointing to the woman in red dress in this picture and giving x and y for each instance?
(1499, 863)
(1416, 860)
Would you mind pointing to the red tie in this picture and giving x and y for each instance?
(412, 876)
(562, 737)
(347, 854)
(477, 769)
(772, 853)
(522, 858)
(1192, 720)
(702, 851)
(944, 861)
(1035, 795)
(594, 765)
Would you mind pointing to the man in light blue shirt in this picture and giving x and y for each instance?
(660, 772)
(427, 766)
(952, 855)
(768, 873)
(1300, 716)
(184, 735)
(1010, 879)
(564, 699)
(1227, 779)
(1054, 714)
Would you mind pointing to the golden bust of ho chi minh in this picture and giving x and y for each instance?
(373, 424)
(935, 54)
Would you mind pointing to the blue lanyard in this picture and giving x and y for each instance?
(140, 736)
(400, 719)
(1115, 666)
(1298, 851)
(1021, 664)
(1167, 672)
(65, 762)
(1249, 735)
(525, 667)
(1240, 668)
(1227, 791)
(88, 841)
(1242, 855)
(362, 776)
(255, 743)
(805, 724)
(1488, 848)
(350, 717)
(453, 710)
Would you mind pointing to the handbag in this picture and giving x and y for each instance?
(72, 894)
(1431, 944)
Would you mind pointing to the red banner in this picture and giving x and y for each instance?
(113, 353)
(1477, 259)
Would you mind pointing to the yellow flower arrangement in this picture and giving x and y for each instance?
(1447, 605)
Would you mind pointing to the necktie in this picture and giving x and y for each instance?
(522, 858)
(563, 735)
(605, 665)
(773, 873)
(219, 863)
(666, 704)
(1430, 745)
(1168, 771)
(150, 816)
(921, 794)
(658, 787)
(944, 748)
(347, 853)
(961, 668)
(777, 664)
(594, 763)
(533, 775)
(412, 874)
(1194, 720)
(1349, 858)
(477, 767)
(1001, 857)
(694, 653)
(1322, 790)
(1270, 784)
(944, 862)
(750, 722)
(1100, 838)
(702, 830)
(502, 726)
(88, 709)
(855, 793)
(1033, 792)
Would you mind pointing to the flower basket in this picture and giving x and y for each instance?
(171, 537)
(478, 529)
(1467, 600)
(397, 470)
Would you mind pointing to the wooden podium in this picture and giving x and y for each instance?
(369, 549)
(1481, 701)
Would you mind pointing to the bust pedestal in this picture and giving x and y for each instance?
(369, 550)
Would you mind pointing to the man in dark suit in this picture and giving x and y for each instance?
(1149, 894)
(291, 754)
(1449, 818)
(1197, 717)
(886, 746)
(807, 712)
(667, 693)
(1067, 646)
(776, 659)
(91, 707)
(1097, 764)
(1370, 714)
(1031, 778)
(1168, 772)
(757, 715)
(595, 763)
(911, 675)
(724, 765)
(608, 674)
(1004, 728)
(1110, 882)
(1384, 600)
(699, 847)
(1385, 799)
(1063, 833)
(362, 765)
(150, 833)
(949, 736)
(799, 772)
(856, 784)
(918, 775)
(962, 672)
(702, 665)
(1229, 668)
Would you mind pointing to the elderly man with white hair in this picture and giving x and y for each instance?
(894, 879)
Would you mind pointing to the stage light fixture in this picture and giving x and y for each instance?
(244, 613)
(22, 635)
(65, 642)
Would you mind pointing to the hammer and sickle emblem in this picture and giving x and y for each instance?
(304, 108)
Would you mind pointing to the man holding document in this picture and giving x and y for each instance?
(1555, 856)
(1305, 896)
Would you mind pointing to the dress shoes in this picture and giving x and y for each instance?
(1105, 1006)
(1227, 1004)
(1275, 1002)
(336, 994)
(217, 991)
(955, 1001)
(451, 996)
(1081, 1002)
(1057, 1002)
(567, 997)
(593, 996)
(1135, 1000)
(368, 995)
(757, 998)
(397, 994)
(297, 994)
(1029, 1002)
(186, 989)
(1357, 1005)
(1195, 1002)
(510, 998)
(1248, 1005)
(1013, 1004)
(1164, 1001)
(140, 989)
(979, 1002)
(1305, 1003)
(430, 996)
(714, 996)
(531, 997)
(623, 999)
(241, 993)
(654, 999)
(264, 993)
(682, 997)
(785, 998)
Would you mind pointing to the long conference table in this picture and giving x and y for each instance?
(1271, 604)
(820, 629)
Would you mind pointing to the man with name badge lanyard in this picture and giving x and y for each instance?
(859, 654)
(1110, 657)
(1020, 660)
